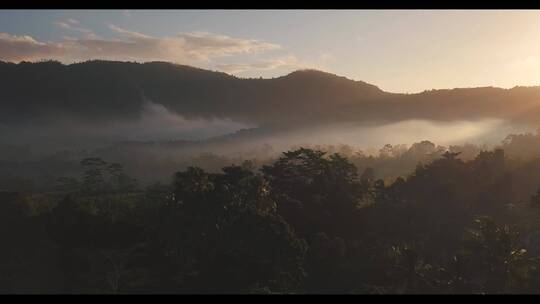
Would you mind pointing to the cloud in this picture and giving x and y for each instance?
(235, 68)
(128, 33)
(72, 25)
(63, 25)
(129, 45)
(204, 45)
(19, 48)
(319, 62)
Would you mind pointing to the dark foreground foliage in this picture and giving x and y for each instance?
(307, 223)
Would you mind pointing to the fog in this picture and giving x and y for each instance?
(159, 142)
(484, 132)
(158, 124)
(155, 123)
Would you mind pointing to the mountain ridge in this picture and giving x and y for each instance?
(101, 91)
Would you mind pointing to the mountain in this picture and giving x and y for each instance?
(118, 90)
(98, 91)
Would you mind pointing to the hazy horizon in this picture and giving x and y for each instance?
(399, 51)
(285, 74)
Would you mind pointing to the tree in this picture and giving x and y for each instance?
(93, 179)
(314, 191)
(223, 234)
(491, 261)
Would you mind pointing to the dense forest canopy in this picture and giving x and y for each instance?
(305, 183)
(308, 222)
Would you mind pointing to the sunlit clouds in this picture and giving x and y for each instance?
(73, 25)
(239, 67)
(18, 48)
(399, 51)
(186, 48)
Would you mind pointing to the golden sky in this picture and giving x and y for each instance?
(399, 51)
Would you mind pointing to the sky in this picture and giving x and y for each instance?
(403, 51)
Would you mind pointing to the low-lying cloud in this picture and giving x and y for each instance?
(488, 131)
(156, 123)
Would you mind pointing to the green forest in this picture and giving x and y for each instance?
(308, 222)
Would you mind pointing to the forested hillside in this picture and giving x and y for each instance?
(309, 222)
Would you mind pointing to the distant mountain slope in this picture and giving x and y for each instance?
(109, 90)
(117, 90)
